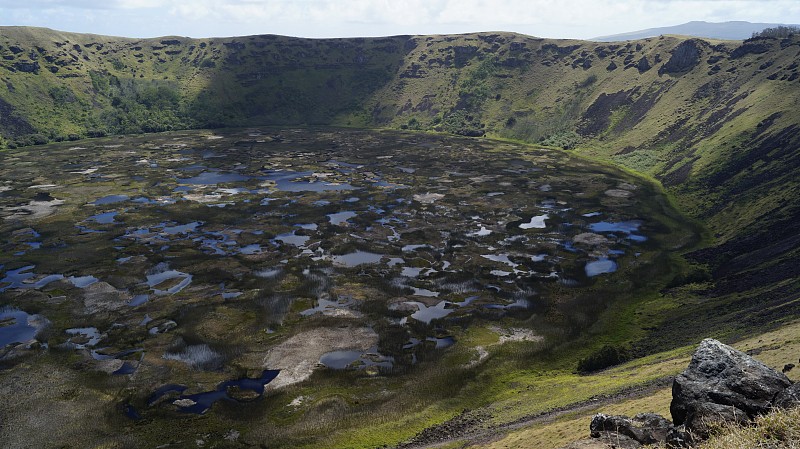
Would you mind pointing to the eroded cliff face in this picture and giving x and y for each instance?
(662, 93)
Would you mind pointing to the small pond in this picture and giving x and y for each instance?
(17, 326)
(356, 258)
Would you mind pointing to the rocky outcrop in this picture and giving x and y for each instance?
(644, 428)
(643, 65)
(12, 123)
(27, 66)
(747, 48)
(684, 57)
(720, 386)
(722, 380)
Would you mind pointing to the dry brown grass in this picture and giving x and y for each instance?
(777, 430)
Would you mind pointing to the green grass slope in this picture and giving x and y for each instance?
(61, 85)
(716, 122)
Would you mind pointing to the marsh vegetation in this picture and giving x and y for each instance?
(298, 283)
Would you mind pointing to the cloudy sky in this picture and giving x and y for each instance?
(346, 18)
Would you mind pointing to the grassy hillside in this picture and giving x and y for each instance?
(60, 85)
(773, 348)
(715, 121)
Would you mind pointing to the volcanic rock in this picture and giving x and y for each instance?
(644, 428)
(722, 380)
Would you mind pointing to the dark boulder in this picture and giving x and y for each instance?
(684, 57)
(27, 66)
(719, 375)
(708, 415)
(677, 437)
(644, 428)
(721, 386)
(748, 48)
(789, 397)
(643, 65)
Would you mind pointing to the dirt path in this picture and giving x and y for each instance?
(469, 426)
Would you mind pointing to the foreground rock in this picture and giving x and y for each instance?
(723, 384)
(789, 397)
(644, 428)
(720, 386)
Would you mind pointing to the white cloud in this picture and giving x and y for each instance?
(327, 18)
(137, 4)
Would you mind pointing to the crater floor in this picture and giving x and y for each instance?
(161, 275)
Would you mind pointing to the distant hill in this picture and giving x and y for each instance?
(737, 30)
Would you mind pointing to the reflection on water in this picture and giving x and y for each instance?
(23, 278)
(537, 222)
(249, 250)
(82, 281)
(356, 258)
(138, 300)
(341, 217)
(624, 227)
(201, 402)
(502, 258)
(355, 359)
(180, 229)
(104, 218)
(600, 266)
(287, 181)
(482, 232)
(158, 280)
(290, 238)
(411, 272)
(427, 314)
(340, 359)
(442, 343)
(424, 292)
(89, 335)
(17, 326)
